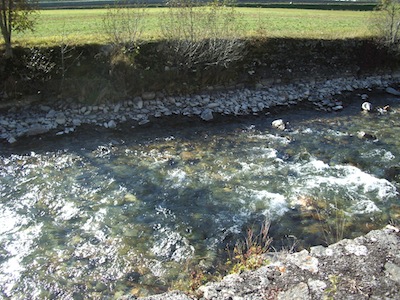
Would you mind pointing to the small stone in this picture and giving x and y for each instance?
(337, 107)
(51, 114)
(366, 136)
(76, 122)
(11, 140)
(130, 198)
(111, 124)
(60, 119)
(148, 95)
(213, 105)
(358, 250)
(144, 121)
(117, 108)
(207, 115)
(392, 91)
(45, 108)
(139, 102)
(366, 106)
(279, 124)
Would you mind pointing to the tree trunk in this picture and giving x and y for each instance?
(8, 53)
(6, 25)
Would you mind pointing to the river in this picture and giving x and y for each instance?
(101, 213)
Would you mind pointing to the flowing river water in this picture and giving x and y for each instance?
(102, 213)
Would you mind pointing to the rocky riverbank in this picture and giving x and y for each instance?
(63, 117)
(367, 267)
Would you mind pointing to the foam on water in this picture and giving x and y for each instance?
(17, 247)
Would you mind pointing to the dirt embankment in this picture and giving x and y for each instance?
(94, 74)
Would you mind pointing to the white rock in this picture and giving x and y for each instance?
(366, 106)
(279, 124)
(337, 107)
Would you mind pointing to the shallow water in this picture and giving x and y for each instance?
(101, 213)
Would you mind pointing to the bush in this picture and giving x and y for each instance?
(386, 22)
(202, 36)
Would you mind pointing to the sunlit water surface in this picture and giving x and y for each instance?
(106, 213)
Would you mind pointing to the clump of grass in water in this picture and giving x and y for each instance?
(248, 254)
(333, 222)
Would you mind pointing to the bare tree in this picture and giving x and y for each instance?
(15, 15)
(387, 22)
(202, 34)
(124, 25)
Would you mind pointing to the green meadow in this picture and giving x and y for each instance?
(85, 26)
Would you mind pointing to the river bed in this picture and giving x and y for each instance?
(100, 213)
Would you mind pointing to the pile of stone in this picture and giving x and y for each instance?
(62, 117)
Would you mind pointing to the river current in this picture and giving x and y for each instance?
(101, 213)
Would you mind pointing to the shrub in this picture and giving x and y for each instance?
(202, 37)
(386, 22)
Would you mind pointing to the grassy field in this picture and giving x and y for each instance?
(84, 26)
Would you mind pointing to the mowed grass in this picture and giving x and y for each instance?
(85, 26)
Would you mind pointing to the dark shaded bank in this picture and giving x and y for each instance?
(95, 74)
(367, 267)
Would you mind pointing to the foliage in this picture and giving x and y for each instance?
(329, 293)
(249, 254)
(15, 15)
(387, 23)
(194, 276)
(39, 65)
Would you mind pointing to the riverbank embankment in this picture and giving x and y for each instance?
(63, 117)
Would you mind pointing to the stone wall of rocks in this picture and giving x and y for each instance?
(62, 117)
(367, 267)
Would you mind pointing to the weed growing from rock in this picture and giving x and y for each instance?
(249, 254)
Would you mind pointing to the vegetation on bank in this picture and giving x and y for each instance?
(119, 52)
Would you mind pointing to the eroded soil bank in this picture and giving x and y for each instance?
(96, 73)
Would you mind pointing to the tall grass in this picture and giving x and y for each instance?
(84, 26)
